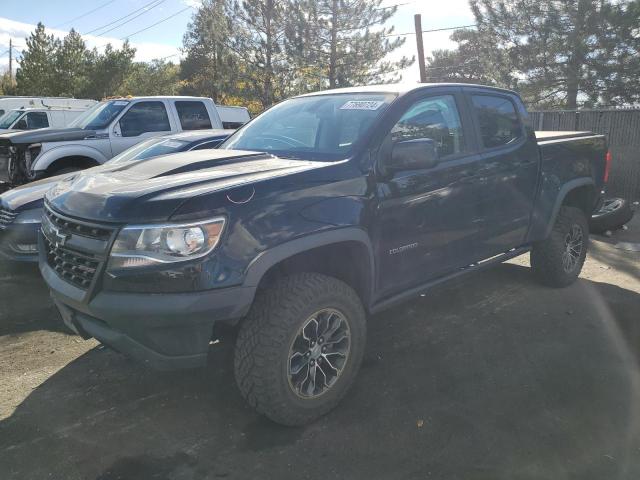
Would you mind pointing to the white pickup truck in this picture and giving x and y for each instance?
(104, 131)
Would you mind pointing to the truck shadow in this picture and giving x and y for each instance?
(490, 377)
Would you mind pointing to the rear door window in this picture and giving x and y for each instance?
(193, 115)
(145, 117)
(498, 120)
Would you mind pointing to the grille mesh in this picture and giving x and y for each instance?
(76, 267)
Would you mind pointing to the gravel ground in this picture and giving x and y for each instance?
(491, 377)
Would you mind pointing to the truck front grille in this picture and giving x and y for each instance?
(76, 228)
(6, 217)
(74, 267)
(75, 250)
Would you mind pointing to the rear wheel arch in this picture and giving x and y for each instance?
(579, 193)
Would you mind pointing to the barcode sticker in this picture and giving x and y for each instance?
(362, 105)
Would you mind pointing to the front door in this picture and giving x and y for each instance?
(426, 218)
(142, 120)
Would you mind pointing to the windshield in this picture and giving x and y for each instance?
(322, 127)
(151, 148)
(100, 115)
(10, 117)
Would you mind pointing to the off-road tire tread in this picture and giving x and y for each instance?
(546, 255)
(262, 335)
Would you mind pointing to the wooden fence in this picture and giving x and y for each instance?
(622, 128)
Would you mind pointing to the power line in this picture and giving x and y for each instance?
(432, 30)
(157, 23)
(131, 19)
(84, 14)
(121, 18)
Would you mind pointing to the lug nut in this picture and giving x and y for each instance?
(321, 340)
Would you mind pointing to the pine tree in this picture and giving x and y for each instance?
(210, 66)
(71, 66)
(556, 53)
(260, 35)
(348, 38)
(36, 73)
(108, 70)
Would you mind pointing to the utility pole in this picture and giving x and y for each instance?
(423, 71)
(10, 62)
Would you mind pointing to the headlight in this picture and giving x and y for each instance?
(144, 245)
(29, 216)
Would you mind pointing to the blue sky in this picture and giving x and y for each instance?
(18, 18)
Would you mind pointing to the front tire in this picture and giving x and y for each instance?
(300, 348)
(558, 260)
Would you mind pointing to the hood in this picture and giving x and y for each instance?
(151, 190)
(42, 135)
(31, 195)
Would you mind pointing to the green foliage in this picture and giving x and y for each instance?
(556, 53)
(210, 66)
(265, 50)
(348, 40)
(36, 73)
(7, 85)
(108, 70)
(153, 78)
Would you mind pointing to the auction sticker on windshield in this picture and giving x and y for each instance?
(362, 105)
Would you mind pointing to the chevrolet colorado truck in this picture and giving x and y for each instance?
(324, 209)
(105, 130)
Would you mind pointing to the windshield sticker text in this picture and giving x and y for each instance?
(362, 105)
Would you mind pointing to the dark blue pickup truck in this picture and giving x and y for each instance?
(323, 209)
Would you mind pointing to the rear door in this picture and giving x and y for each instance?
(505, 184)
(192, 115)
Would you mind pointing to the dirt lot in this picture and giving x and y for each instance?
(493, 377)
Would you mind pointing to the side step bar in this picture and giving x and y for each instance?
(474, 267)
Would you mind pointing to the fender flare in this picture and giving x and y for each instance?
(46, 159)
(562, 194)
(267, 259)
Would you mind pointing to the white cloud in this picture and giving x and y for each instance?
(17, 31)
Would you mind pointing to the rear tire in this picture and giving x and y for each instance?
(557, 260)
(280, 347)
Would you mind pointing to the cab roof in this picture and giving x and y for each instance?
(404, 88)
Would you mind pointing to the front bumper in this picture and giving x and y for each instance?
(164, 331)
(19, 234)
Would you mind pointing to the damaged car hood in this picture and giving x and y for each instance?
(42, 135)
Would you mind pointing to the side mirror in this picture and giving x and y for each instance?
(414, 154)
(21, 124)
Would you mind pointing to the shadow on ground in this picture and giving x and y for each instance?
(493, 377)
(26, 305)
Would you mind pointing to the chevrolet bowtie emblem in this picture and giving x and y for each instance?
(60, 237)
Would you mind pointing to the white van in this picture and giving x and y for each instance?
(32, 118)
(12, 103)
